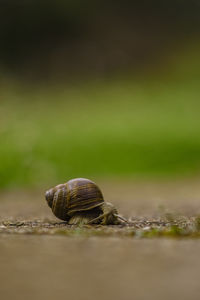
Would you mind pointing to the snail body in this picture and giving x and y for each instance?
(80, 201)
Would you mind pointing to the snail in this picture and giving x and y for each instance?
(80, 201)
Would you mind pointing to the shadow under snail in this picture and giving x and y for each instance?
(80, 201)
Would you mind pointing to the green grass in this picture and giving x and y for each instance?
(113, 128)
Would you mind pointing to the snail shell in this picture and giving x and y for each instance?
(74, 197)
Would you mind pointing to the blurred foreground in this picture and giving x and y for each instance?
(98, 268)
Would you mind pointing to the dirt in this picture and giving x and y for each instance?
(155, 257)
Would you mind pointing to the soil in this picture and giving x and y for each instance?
(156, 256)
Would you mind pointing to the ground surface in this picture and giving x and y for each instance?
(156, 257)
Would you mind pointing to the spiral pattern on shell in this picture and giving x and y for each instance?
(76, 195)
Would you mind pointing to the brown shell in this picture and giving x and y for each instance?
(74, 196)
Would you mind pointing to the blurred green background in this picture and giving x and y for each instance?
(100, 89)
